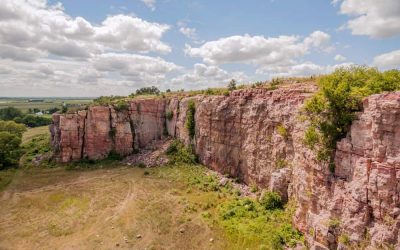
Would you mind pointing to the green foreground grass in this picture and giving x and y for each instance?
(244, 221)
(24, 105)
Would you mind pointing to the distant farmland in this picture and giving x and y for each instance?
(40, 103)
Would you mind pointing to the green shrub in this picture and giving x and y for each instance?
(39, 145)
(12, 128)
(332, 110)
(334, 223)
(248, 223)
(106, 100)
(344, 239)
(141, 165)
(9, 149)
(190, 119)
(280, 163)
(10, 113)
(114, 156)
(209, 91)
(169, 115)
(271, 200)
(121, 105)
(10, 141)
(282, 131)
(232, 85)
(147, 91)
(276, 82)
(35, 121)
(311, 137)
(178, 153)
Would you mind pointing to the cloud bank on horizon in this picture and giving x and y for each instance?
(50, 48)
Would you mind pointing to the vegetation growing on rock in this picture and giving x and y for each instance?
(179, 153)
(333, 108)
(169, 115)
(190, 119)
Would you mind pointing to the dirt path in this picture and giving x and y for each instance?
(99, 209)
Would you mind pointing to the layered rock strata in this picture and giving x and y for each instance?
(256, 135)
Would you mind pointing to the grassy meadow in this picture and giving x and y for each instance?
(24, 104)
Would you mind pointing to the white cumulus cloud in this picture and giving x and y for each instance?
(188, 32)
(150, 3)
(390, 60)
(45, 51)
(374, 18)
(203, 76)
(262, 52)
(36, 25)
(340, 58)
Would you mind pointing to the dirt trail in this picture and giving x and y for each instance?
(98, 209)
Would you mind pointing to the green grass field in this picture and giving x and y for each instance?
(33, 132)
(23, 103)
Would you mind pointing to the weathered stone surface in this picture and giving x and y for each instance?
(98, 137)
(67, 136)
(148, 120)
(257, 136)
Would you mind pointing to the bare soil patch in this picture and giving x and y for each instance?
(100, 209)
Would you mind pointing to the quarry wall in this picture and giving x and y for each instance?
(257, 136)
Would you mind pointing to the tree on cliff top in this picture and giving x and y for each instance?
(148, 91)
(332, 109)
(232, 85)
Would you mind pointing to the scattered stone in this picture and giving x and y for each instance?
(150, 156)
(211, 240)
(139, 236)
(182, 230)
(223, 181)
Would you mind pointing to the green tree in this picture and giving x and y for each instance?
(148, 91)
(232, 85)
(35, 121)
(10, 140)
(10, 113)
(12, 128)
(53, 110)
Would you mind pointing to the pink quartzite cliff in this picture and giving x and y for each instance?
(257, 136)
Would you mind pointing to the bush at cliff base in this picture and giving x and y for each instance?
(177, 153)
(333, 108)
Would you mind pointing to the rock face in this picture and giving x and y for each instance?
(101, 130)
(256, 135)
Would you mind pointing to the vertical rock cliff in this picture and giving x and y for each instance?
(257, 136)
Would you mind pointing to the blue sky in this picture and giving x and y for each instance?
(92, 48)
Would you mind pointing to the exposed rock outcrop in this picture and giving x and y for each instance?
(101, 130)
(257, 136)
